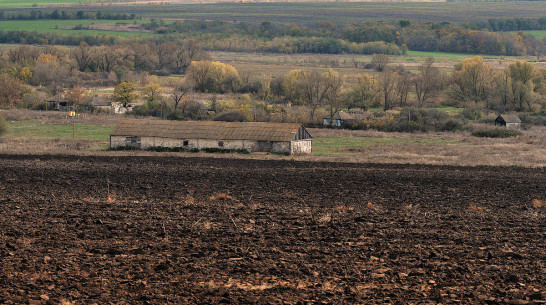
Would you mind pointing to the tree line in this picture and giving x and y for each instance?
(64, 15)
(323, 38)
(473, 83)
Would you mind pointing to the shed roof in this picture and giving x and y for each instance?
(341, 115)
(98, 101)
(257, 131)
(510, 118)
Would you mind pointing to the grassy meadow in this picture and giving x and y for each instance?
(335, 12)
(344, 145)
(50, 135)
(35, 129)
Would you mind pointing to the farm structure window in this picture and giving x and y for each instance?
(132, 142)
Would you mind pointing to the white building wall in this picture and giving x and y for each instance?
(513, 125)
(301, 147)
(251, 146)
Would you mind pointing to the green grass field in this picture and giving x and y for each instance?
(26, 3)
(450, 110)
(538, 34)
(63, 27)
(34, 129)
(343, 145)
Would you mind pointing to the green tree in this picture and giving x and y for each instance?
(152, 92)
(3, 125)
(125, 93)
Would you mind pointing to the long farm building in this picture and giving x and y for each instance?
(286, 138)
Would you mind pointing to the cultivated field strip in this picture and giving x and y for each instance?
(156, 230)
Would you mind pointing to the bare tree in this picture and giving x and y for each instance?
(316, 89)
(429, 83)
(10, 90)
(75, 96)
(83, 56)
(334, 102)
(23, 54)
(380, 61)
(386, 83)
(403, 85)
(180, 90)
(188, 52)
(165, 53)
(109, 57)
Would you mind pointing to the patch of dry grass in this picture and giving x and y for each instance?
(474, 208)
(221, 197)
(443, 148)
(60, 118)
(538, 204)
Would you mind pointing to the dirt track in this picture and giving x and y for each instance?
(155, 230)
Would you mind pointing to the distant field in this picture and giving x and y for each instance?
(24, 3)
(63, 27)
(335, 12)
(248, 63)
(449, 56)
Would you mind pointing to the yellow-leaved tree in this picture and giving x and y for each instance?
(362, 93)
(213, 76)
(472, 80)
(125, 93)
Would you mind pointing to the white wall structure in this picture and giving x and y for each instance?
(251, 136)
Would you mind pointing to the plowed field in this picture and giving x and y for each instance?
(155, 230)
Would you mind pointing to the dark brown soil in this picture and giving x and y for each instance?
(156, 230)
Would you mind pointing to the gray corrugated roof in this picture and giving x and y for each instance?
(510, 118)
(257, 131)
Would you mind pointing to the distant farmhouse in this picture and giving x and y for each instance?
(510, 121)
(345, 118)
(251, 136)
(93, 103)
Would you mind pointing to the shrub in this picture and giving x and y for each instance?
(496, 133)
(471, 114)
(175, 115)
(3, 125)
(451, 125)
(232, 116)
(40, 106)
